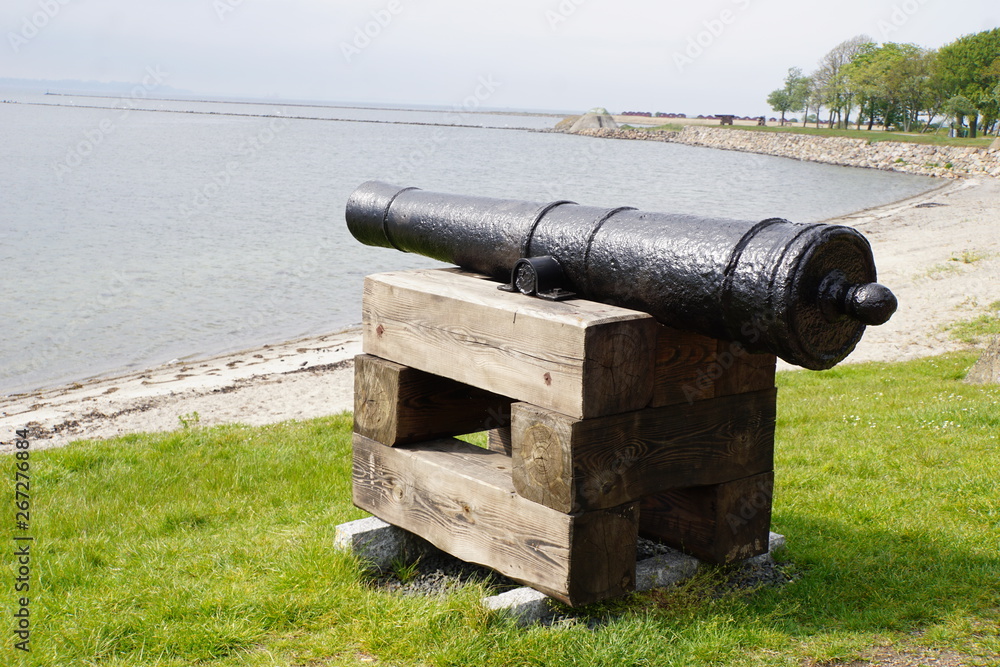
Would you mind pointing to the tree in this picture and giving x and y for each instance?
(892, 82)
(967, 69)
(831, 80)
(817, 98)
(935, 90)
(905, 82)
(958, 108)
(793, 96)
(809, 98)
(780, 101)
(862, 79)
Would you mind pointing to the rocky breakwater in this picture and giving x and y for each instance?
(926, 159)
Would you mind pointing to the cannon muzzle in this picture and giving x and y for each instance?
(802, 291)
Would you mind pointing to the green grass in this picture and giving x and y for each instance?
(872, 136)
(211, 546)
(666, 127)
(978, 329)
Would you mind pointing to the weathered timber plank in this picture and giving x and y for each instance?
(460, 498)
(577, 465)
(691, 367)
(578, 357)
(499, 440)
(680, 358)
(739, 371)
(396, 404)
(721, 523)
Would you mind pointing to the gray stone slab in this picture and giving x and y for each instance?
(526, 604)
(529, 606)
(775, 542)
(379, 543)
(664, 570)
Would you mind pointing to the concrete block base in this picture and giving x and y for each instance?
(525, 604)
(530, 606)
(379, 543)
(664, 570)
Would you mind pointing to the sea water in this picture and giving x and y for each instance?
(131, 237)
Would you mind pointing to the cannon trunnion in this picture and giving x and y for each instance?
(804, 292)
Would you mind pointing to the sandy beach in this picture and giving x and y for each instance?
(939, 252)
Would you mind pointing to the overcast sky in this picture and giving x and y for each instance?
(709, 56)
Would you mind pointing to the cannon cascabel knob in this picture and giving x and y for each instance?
(868, 303)
(871, 303)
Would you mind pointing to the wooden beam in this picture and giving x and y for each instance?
(721, 523)
(691, 367)
(461, 499)
(396, 404)
(574, 465)
(500, 441)
(578, 357)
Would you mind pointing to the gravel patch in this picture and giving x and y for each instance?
(438, 573)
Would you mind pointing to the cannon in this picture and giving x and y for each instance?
(804, 292)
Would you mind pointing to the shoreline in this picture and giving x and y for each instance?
(918, 243)
(941, 161)
(315, 374)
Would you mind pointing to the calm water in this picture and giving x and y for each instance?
(129, 239)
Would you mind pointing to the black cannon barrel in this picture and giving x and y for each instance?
(802, 291)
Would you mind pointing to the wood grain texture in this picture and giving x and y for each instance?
(691, 367)
(721, 523)
(740, 372)
(574, 465)
(461, 499)
(578, 357)
(498, 440)
(396, 404)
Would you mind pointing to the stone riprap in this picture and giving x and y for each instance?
(929, 160)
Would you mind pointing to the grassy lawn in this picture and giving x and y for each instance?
(979, 329)
(212, 547)
(873, 136)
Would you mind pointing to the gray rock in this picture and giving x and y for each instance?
(379, 543)
(526, 604)
(664, 570)
(987, 369)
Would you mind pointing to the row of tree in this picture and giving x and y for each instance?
(901, 86)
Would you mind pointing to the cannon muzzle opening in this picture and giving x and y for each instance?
(805, 292)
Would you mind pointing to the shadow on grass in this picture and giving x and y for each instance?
(869, 581)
